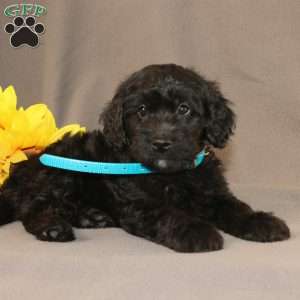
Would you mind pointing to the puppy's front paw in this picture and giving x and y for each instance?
(94, 218)
(264, 227)
(197, 237)
(56, 232)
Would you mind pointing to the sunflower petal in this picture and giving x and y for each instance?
(42, 126)
(3, 177)
(6, 166)
(6, 144)
(6, 116)
(19, 122)
(9, 97)
(18, 156)
(71, 129)
(37, 113)
(19, 127)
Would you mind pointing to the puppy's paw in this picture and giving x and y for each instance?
(264, 227)
(94, 218)
(198, 237)
(57, 232)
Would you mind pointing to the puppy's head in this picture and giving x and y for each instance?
(163, 115)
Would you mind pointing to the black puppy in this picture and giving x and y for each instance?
(161, 116)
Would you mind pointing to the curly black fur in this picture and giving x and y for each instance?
(161, 116)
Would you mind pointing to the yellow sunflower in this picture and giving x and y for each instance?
(21, 130)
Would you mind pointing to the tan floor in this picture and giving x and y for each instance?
(110, 264)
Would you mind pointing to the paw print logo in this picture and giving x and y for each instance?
(24, 31)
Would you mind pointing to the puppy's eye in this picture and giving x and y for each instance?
(183, 109)
(142, 110)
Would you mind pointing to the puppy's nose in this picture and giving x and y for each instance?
(161, 145)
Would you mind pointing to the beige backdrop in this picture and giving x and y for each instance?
(251, 47)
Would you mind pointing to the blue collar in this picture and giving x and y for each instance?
(94, 167)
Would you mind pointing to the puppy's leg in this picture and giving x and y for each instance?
(47, 225)
(89, 217)
(174, 229)
(238, 219)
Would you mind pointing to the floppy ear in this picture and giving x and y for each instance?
(221, 119)
(113, 127)
(112, 116)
